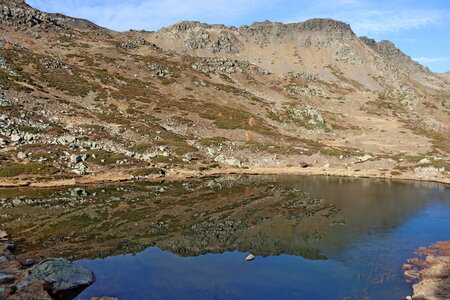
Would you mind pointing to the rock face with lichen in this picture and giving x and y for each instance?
(294, 90)
(55, 278)
(301, 47)
(306, 114)
(17, 13)
(3, 100)
(196, 35)
(224, 65)
(63, 276)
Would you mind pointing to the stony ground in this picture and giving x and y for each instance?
(81, 104)
(78, 100)
(13, 271)
(50, 279)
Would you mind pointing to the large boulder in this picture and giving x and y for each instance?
(228, 161)
(64, 278)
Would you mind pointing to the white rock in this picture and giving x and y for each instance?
(78, 158)
(228, 161)
(129, 153)
(15, 138)
(211, 151)
(365, 157)
(81, 169)
(250, 257)
(28, 137)
(165, 153)
(75, 159)
(21, 155)
(149, 156)
(424, 161)
(426, 172)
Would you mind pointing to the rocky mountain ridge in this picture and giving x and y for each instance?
(310, 46)
(19, 14)
(446, 76)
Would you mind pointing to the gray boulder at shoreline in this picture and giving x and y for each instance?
(64, 275)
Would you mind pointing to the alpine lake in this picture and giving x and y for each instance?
(312, 237)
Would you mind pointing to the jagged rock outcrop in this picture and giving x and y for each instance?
(295, 90)
(229, 40)
(63, 276)
(158, 70)
(348, 55)
(264, 32)
(389, 50)
(4, 101)
(324, 44)
(304, 75)
(17, 13)
(224, 65)
(5, 66)
(306, 114)
(446, 76)
(195, 35)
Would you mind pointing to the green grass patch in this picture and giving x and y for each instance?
(27, 169)
(229, 118)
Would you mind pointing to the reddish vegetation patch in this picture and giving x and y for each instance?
(430, 271)
(420, 262)
(438, 249)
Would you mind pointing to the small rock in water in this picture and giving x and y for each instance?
(29, 262)
(408, 298)
(250, 257)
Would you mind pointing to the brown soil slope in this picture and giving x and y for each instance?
(78, 99)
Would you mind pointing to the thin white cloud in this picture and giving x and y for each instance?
(374, 17)
(366, 17)
(152, 14)
(376, 21)
(427, 60)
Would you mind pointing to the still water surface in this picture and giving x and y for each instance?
(313, 237)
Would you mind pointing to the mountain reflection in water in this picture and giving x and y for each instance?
(337, 220)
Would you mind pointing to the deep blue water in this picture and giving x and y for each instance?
(383, 224)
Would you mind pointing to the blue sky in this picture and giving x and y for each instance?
(420, 28)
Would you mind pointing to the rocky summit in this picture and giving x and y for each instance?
(82, 103)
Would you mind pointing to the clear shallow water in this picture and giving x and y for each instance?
(313, 237)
